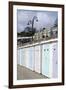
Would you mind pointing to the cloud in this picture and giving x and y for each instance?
(45, 19)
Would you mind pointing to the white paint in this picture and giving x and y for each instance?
(27, 56)
(31, 59)
(47, 60)
(55, 60)
(37, 59)
(18, 56)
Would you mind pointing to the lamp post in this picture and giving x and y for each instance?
(32, 22)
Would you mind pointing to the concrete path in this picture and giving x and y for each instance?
(25, 73)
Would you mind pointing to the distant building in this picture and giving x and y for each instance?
(55, 31)
(46, 33)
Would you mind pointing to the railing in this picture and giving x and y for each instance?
(38, 37)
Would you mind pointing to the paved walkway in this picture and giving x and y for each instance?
(25, 73)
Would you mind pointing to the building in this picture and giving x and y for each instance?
(46, 33)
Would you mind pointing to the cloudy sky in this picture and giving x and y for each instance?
(45, 19)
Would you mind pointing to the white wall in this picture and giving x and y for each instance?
(4, 44)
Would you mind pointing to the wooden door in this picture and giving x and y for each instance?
(46, 59)
(18, 56)
(55, 61)
(31, 58)
(37, 59)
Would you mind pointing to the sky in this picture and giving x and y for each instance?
(45, 19)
